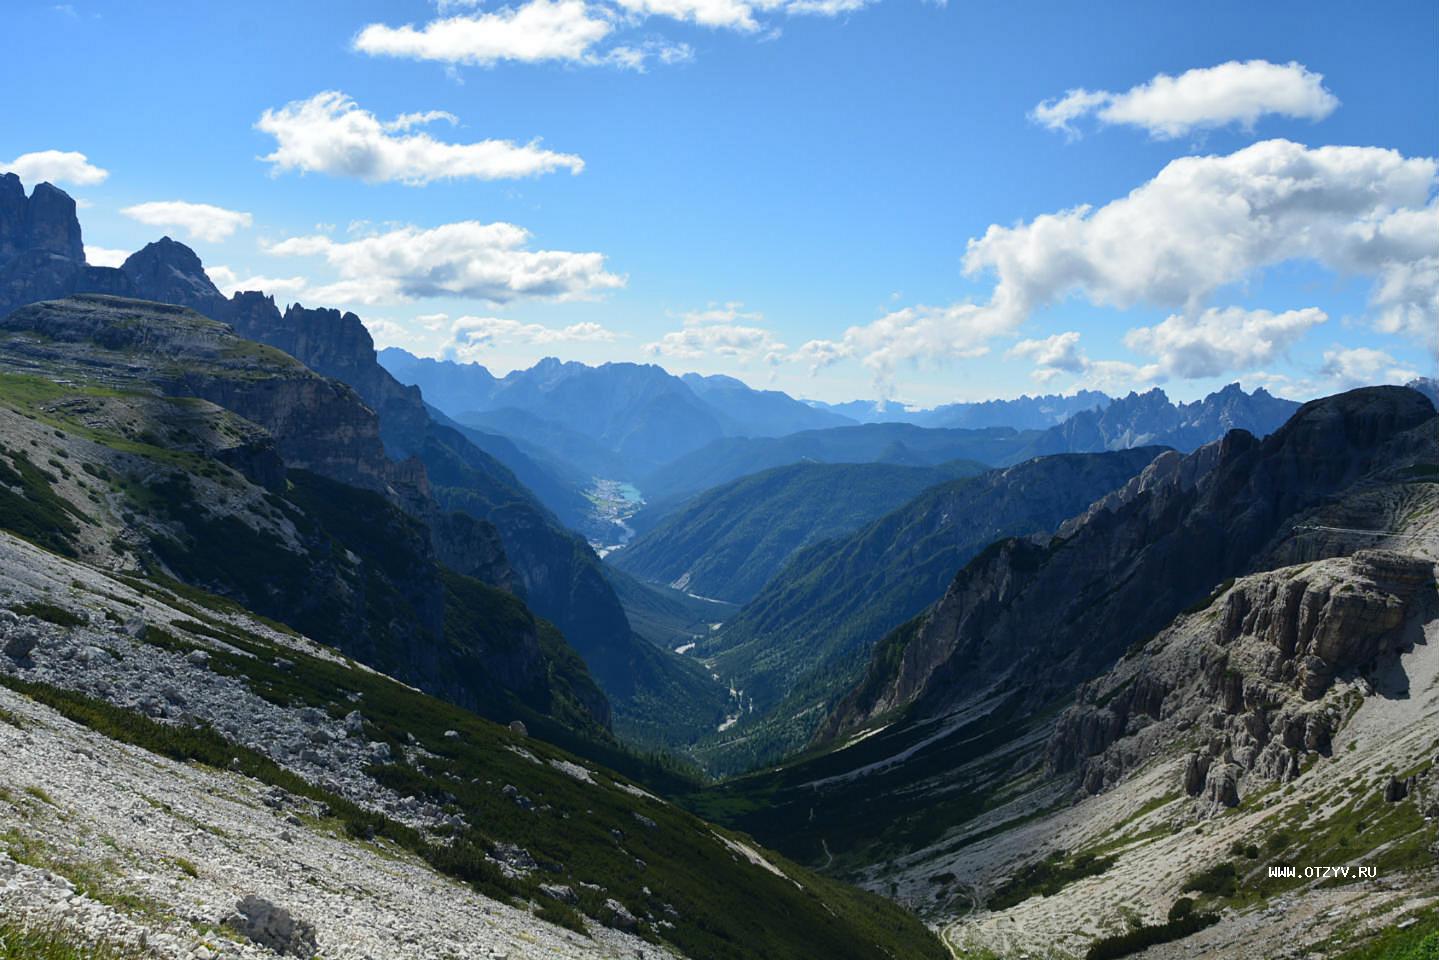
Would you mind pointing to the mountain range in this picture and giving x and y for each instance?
(1021, 413)
(638, 413)
(803, 640)
(1227, 661)
(300, 658)
(555, 571)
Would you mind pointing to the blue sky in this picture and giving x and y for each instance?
(785, 191)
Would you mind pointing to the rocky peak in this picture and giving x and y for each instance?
(12, 215)
(45, 222)
(51, 225)
(170, 272)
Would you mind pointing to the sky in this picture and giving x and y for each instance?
(885, 199)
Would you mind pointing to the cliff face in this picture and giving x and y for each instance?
(1247, 681)
(41, 252)
(1034, 619)
(318, 424)
(318, 527)
(170, 272)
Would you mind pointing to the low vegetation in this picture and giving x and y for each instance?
(1048, 877)
(19, 941)
(1143, 937)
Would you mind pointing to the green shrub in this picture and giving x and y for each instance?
(1145, 937)
(1220, 880)
(49, 612)
(1048, 877)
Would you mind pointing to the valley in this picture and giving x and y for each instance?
(613, 503)
(710, 553)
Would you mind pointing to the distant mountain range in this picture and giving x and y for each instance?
(1021, 413)
(633, 417)
(1148, 419)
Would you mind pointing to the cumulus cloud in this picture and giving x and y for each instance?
(576, 31)
(535, 31)
(201, 221)
(56, 166)
(721, 331)
(1202, 223)
(1237, 92)
(1363, 366)
(330, 133)
(1052, 355)
(104, 256)
(485, 261)
(818, 354)
(230, 282)
(473, 335)
(1061, 354)
(734, 14)
(1206, 221)
(1218, 342)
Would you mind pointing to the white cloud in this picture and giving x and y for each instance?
(818, 354)
(535, 31)
(1202, 223)
(734, 14)
(1214, 343)
(329, 133)
(104, 256)
(201, 221)
(229, 283)
(1230, 93)
(741, 15)
(1219, 342)
(1363, 366)
(1053, 355)
(56, 166)
(485, 261)
(576, 31)
(1060, 354)
(721, 331)
(474, 335)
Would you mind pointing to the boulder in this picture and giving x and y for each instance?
(262, 922)
(20, 643)
(618, 916)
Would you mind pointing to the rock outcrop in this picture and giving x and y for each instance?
(1249, 680)
(42, 255)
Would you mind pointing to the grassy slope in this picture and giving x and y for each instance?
(587, 832)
